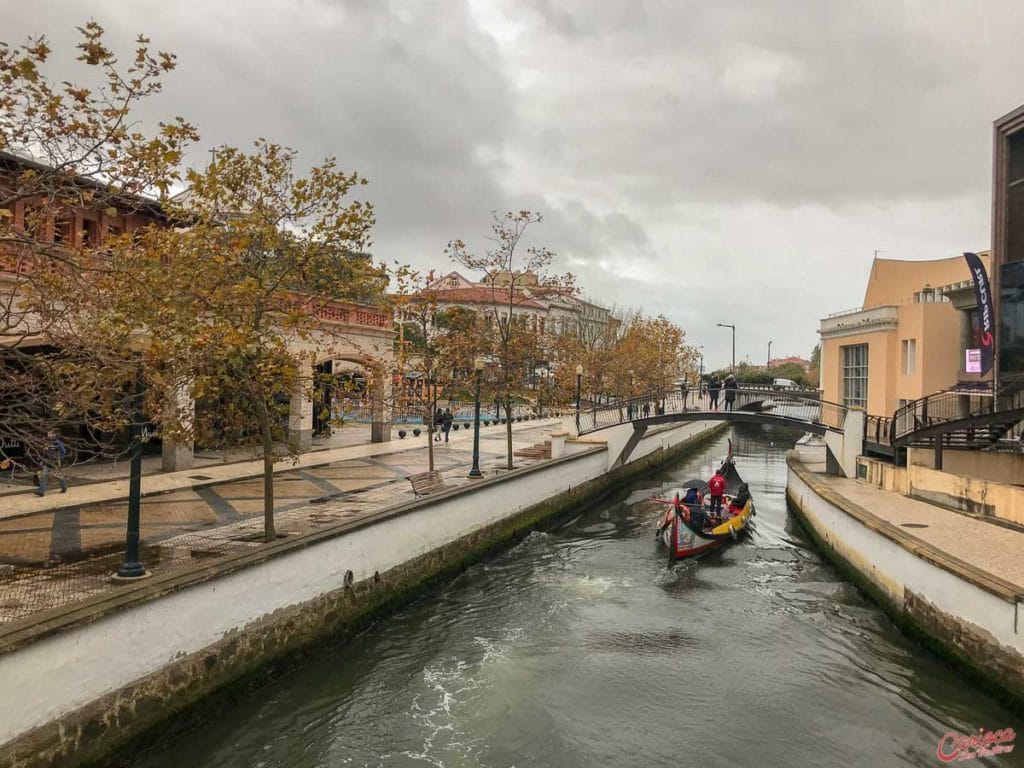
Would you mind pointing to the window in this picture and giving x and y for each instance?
(855, 375)
(90, 233)
(909, 356)
(62, 231)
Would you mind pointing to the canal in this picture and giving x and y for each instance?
(583, 646)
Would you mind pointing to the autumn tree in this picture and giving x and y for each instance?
(516, 277)
(237, 298)
(68, 149)
(441, 343)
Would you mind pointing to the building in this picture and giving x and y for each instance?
(908, 339)
(543, 310)
(1007, 273)
(349, 342)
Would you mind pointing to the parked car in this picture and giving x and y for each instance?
(784, 384)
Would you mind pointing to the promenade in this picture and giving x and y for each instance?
(64, 547)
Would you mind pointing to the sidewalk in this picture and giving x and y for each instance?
(64, 547)
(100, 471)
(991, 548)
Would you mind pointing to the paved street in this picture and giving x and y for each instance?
(183, 524)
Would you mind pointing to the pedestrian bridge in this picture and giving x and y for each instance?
(759, 405)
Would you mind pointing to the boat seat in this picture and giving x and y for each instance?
(428, 482)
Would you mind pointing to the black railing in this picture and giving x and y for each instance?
(788, 405)
(955, 410)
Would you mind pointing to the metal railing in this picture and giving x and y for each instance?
(957, 409)
(788, 405)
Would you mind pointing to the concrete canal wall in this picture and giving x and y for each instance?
(80, 682)
(961, 611)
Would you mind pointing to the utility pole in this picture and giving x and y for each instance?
(769, 363)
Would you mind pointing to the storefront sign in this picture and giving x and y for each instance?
(973, 364)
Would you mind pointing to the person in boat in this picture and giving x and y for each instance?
(740, 500)
(716, 489)
(692, 496)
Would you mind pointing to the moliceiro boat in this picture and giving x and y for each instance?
(691, 529)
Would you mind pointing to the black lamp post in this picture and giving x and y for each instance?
(769, 364)
(132, 567)
(579, 380)
(475, 472)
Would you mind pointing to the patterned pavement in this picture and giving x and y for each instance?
(55, 557)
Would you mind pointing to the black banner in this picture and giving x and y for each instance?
(986, 315)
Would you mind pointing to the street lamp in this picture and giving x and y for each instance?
(733, 327)
(769, 364)
(579, 380)
(132, 567)
(478, 366)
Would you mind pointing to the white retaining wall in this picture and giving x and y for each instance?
(895, 570)
(61, 673)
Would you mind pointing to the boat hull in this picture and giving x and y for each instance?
(683, 541)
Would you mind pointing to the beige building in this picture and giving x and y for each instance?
(907, 340)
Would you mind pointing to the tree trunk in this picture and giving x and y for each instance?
(266, 434)
(508, 430)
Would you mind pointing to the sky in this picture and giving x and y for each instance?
(738, 162)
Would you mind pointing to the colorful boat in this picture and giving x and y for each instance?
(688, 530)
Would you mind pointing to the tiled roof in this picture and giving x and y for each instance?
(479, 295)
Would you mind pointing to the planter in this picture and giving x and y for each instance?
(416, 433)
(401, 433)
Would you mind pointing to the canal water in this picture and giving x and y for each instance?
(584, 646)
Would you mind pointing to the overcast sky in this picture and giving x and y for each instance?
(729, 161)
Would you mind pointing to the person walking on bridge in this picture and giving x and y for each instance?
(713, 387)
(730, 392)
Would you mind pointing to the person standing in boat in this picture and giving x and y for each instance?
(716, 490)
(713, 387)
(730, 392)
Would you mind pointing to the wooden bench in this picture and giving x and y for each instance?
(427, 482)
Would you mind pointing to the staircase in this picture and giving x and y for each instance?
(957, 418)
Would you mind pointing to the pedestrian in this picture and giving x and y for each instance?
(713, 387)
(730, 392)
(629, 411)
(53, 456)
(716, 489)
(646, 410)
(438, 423)
(446, 422)
(684, 389)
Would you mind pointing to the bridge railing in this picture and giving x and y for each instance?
(877, 429)
(791, 405)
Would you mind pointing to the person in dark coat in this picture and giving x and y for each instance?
(730, 392)
(446, 422)
(713, 388)
(438, 424)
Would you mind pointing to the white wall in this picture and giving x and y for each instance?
(63, 672)
(894, 569)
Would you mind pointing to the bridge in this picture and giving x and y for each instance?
(801, 409)
(962, 418)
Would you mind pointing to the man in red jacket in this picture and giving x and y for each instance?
(716, 489)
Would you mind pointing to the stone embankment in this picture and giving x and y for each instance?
(954, 580)
(82, 680)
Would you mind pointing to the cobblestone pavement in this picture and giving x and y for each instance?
(53, 557)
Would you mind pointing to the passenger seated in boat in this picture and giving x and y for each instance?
(692, 497)
(740, 500)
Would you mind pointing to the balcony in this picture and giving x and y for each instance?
(854, 321)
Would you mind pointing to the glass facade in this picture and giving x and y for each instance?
(855, 375)
(1011, 319)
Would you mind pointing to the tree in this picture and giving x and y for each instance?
(237, 298)
(66, 148)
(516, 277)
(442, 343)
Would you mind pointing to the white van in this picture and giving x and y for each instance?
(784, 384)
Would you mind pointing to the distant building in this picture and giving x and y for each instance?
(805, 364)
(907, 340)
(544, 311)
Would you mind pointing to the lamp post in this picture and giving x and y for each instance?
(579, 381)
(769, 363)
(478, 366)
(132, 567)
(733, 328)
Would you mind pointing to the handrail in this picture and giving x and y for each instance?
(951, 405)
(788, 405)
